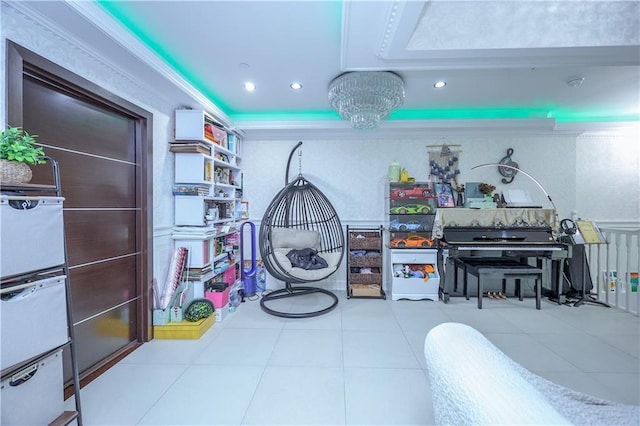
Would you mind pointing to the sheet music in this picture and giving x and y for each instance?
(517, 196)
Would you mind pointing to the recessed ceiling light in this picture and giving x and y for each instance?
(249, 86)
(439, 84)
(295, 86)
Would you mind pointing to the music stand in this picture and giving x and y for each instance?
(586, 234)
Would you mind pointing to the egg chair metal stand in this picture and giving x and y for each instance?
(300, 208)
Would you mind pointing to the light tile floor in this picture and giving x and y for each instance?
(361, 364)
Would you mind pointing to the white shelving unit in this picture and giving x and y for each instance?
(208, 223)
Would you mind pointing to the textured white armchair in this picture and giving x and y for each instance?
(473, 382)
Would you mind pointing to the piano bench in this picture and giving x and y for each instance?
(503, 269)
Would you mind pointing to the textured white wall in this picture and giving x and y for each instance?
(353, 173)
(608, 178)
(49, 43)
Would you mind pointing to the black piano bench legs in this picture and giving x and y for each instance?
(516, 272)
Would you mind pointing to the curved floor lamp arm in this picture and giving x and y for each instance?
(517, 169)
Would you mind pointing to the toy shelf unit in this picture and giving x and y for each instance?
(365, 263)
(413, 253)
(35, 307)
(412, 209)
(415, 274)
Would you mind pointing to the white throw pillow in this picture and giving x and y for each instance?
(294, 238)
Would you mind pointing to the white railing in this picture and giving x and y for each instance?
(614, 268)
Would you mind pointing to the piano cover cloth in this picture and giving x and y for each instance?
(492, 218)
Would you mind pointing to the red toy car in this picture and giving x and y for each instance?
(411, 193)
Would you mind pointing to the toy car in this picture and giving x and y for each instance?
(411, 193)
(414, 225)
(411, 241)
(410, 209)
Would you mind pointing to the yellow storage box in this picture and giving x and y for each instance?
(184, 329)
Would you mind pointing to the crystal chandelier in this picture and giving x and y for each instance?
(366, 97)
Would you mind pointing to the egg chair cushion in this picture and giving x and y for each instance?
(281, 259)
(294, 238)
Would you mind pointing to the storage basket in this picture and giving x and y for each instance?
(371, 241)
(34, 319)
(32, 234)
(33, 395)
(365, 278)
(366, 290)
(14, 173)
(365, 261)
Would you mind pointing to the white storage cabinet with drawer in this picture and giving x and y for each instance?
(414, 274)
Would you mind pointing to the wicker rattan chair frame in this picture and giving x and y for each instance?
(299, 205)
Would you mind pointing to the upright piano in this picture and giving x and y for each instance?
(512, 233)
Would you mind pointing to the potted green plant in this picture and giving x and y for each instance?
(17, 153)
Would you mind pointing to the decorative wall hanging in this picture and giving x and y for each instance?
(443, 163)
(509, 173)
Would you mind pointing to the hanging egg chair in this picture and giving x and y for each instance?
(300, 219)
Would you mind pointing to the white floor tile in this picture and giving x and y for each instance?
(206, 395)
(126, 392)
(363, 363)
(530, 353)
(298, 396)
(387, 397)
(378, 349)
(240, 346)
(312, 348)
(416, 341)
(590, 354)
(329, 321)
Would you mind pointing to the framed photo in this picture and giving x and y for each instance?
(244, 210)
(444, 195)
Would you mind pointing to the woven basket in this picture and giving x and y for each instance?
(361, 261)
(365, 243)
(14, 173)
(365, 278)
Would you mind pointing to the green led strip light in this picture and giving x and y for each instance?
(118, 12)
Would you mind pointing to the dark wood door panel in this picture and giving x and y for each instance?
(102, 144)
(71, 123)
(100, 286)
(98, 234)
(91, 182)
(102, 337)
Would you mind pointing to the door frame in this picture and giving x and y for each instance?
(21, 60)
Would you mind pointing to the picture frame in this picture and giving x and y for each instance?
(444, 195)
(244, 210)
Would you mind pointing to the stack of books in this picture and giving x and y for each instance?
(190, 147)
(190, 189)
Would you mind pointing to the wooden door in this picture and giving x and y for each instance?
(101, 145)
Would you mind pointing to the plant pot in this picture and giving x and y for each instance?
(14, 173)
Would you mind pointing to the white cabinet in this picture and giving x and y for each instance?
(415, 274)
(197, 125)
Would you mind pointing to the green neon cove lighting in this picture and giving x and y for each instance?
(118, 10)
